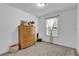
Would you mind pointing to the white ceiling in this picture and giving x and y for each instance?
(37, 11)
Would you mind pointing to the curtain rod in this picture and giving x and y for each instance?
(52, 17)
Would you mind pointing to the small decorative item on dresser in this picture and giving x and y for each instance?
(24, 22)
(31, 22)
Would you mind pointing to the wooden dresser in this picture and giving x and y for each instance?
(26, 36)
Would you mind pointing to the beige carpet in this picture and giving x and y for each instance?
(43, 49)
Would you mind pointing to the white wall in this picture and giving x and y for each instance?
(9, 20)
(66, 27)
(78, 28)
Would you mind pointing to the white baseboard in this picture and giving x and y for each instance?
(62, 44)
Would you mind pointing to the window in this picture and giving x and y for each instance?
(51, 26)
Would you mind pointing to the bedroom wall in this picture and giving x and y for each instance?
(9, 20)
(78, 28)
(66, 27)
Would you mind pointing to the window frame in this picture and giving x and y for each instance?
(56, 25)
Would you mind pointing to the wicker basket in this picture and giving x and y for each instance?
(14, 48)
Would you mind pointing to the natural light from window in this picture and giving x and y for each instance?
(51, 26)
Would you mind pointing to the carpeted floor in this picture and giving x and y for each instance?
(43, 49)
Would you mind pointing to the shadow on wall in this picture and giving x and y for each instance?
(15, 36)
